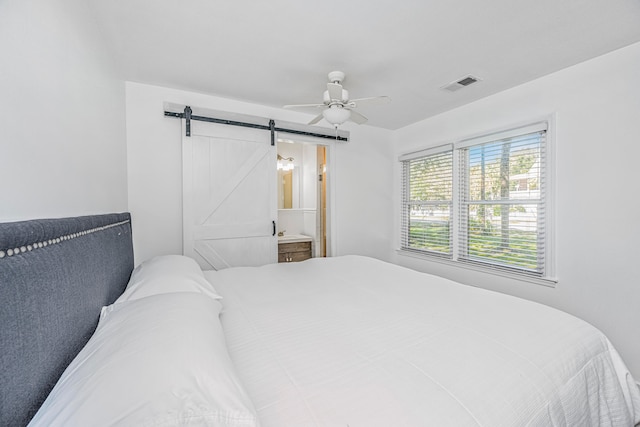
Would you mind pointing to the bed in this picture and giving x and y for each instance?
(355, 341)
(343, 341)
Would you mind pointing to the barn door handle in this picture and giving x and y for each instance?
(274, 228)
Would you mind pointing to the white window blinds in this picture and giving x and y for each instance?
(427, 209)
(487, 208)
(502, 209)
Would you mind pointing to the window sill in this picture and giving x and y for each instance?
(549, 282)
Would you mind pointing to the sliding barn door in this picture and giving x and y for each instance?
(229, 201)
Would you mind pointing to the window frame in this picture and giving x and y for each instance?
(547, 276)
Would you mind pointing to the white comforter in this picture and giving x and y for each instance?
(352, 341)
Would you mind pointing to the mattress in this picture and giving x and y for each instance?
(353, 341)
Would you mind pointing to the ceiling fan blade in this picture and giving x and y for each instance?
(316, 119)
(358, 118)
(374, 100)
(335, 91)
(305, 106)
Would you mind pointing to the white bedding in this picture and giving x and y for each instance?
(352, 341)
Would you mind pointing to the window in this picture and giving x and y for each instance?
(428, 204)
(480, 202)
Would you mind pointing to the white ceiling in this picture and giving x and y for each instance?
(279, 52)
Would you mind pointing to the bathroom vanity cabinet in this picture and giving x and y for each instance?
(294, 251)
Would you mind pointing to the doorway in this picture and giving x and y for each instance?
(302, 193)
(322, 199)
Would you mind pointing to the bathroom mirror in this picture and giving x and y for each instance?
(288, 185)
(287, 196)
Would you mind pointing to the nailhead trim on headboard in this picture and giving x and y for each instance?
(15, 251)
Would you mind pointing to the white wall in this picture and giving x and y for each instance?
(309, 178)
(597, 107)
(363, 173)
(62, 130)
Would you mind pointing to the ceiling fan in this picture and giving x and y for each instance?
(337, 107)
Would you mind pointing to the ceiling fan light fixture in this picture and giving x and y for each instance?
(337, 106)
(336, 115)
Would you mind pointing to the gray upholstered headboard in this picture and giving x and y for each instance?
(55, 275)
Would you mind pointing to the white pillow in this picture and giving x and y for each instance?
(165, 274)
(161, 361)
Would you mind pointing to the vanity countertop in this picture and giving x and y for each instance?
(294, 238)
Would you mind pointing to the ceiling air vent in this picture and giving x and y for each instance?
(459, 84)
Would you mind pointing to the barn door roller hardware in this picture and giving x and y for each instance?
(188, 115)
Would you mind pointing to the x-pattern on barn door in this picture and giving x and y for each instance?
(229, 196)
